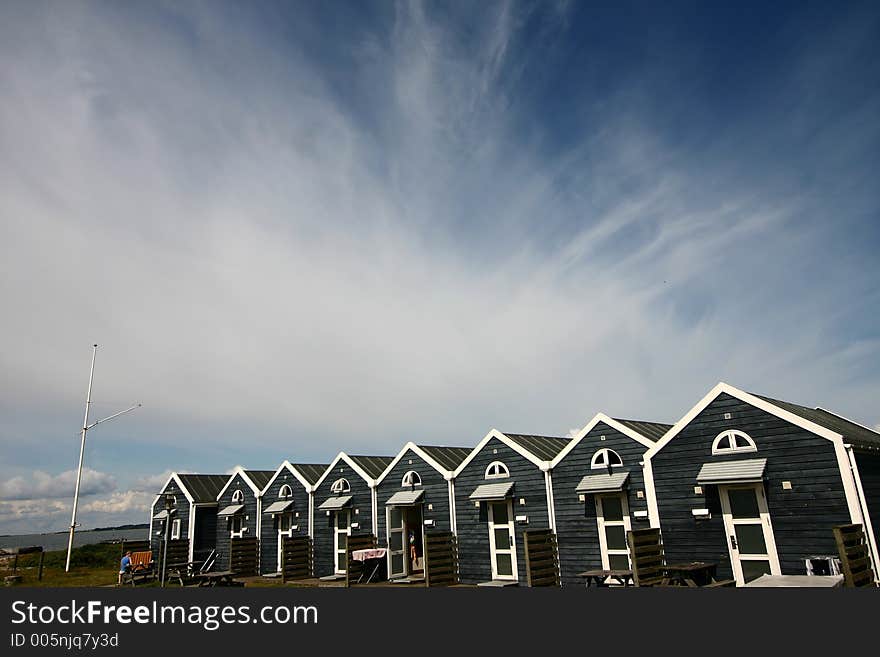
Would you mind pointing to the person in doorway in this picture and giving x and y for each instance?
(124, 566)
(412, 547)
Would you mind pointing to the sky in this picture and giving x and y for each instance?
(295, 229)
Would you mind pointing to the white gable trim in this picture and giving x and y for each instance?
(422, 454)
(544, 465)
(342, 456)
(289, 466)
(611, 422)
(846, 474)
(240, 471)
(183, 488)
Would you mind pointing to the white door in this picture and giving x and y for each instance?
(749, 532)
(396, 542)
(612, 516)
(284, 530)
(502, 544)
(340, 543)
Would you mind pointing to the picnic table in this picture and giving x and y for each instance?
(373, 555)
(785, 581)
(600, 576)
(183, 570)
(693, 574)
(217, 578)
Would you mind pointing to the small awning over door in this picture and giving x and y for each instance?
(488, 492)
(602, 483)
(732, 472)
(405, 498)
(231, 510)
(335, 503)
(161, 515)
(280, 506)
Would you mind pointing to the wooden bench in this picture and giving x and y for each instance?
(600, 576)
(140, 569)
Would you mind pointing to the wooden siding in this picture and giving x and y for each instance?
(182, 512)
(250, 518)
(361, 512)
(576, 528)
(436, 494)
(869, 471)
(472, 523)
(269, 530)
(802, 518)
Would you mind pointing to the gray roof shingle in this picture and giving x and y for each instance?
(448, 457)
(260, 477)
(650, 430)
(372, 465)
(544, 448)
(311, 472)
(204, 487)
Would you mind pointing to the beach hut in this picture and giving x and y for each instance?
(599, 494)
(416, 495)
(194, 515)
(756, 484)
(287, 510)
(239, 519)
(502, 489)
(345, 505)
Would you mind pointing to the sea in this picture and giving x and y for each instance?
(58, 541)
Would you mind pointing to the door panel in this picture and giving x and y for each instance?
(612, 518)
(749, 532)
(502, 543)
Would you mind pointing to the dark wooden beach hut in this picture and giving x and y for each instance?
(194, 516)
(599, 494)
(416, 496)
(239, 520)
(757, 484)
(502, 489)
(287, 510)
(345, 505)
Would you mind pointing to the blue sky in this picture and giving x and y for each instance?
(297, 229)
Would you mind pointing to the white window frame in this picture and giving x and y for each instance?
(175, 529)
(341, 485)
(407, 480)
(731, 435)
(238, 497)
(496, 470)
(603, 454)
(242, 526)
(285, 492)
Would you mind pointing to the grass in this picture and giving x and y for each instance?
(90, 565)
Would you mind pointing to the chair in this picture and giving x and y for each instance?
(855, 557)
(646, 557)
(140, 568)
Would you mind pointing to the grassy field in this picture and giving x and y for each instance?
(90, 565)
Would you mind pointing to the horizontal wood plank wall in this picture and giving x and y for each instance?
(802, 517)
(223, 524)
(361, 501)
(296, 558)
(205, 538)
(542, 559)
(269, 530)
(182, 511)
(436, 494)
(576, 528)
(474, 563)
(869, 471)
(244, 556)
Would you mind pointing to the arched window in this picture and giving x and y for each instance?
(728, 442)
(285, 492)
(497, 470)
(340, 486)
(411, 478)
(605, 458)
(237, 497)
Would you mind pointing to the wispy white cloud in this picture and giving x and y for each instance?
(42, 485)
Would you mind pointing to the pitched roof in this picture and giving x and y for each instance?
(544, 448)
(372, 465)
(860, 437)
(449, 457)
(204, 487)
(311, 472)
(260, 477)
(650, 430)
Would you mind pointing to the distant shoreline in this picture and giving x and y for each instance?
(94, 529)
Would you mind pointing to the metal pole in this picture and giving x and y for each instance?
(165, 547)
(82, 448)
